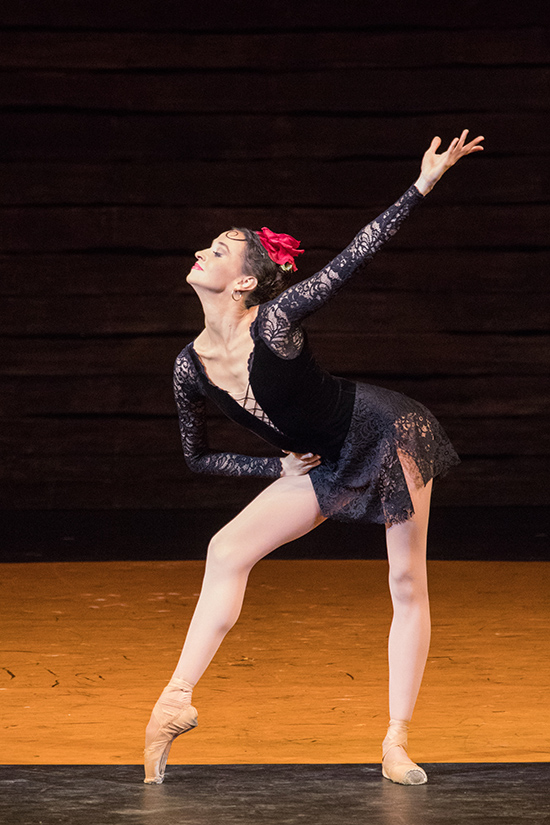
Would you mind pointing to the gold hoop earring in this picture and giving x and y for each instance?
(236, 292)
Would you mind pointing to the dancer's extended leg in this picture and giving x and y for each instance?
(284, 511)
(410, 630)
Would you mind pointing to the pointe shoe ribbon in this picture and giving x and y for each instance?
(402, 771)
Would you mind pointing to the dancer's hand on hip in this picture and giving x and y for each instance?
(434, 166)
(298, 464)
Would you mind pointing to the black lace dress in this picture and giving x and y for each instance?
(364, 434)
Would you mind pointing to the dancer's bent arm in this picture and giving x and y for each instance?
(200, 458)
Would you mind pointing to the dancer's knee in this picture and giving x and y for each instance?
(224, 551)
(408, 586)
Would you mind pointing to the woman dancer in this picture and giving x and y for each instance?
(353, 451)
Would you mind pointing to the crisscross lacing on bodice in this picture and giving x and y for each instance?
(249, 403)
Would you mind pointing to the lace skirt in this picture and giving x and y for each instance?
(387, 431)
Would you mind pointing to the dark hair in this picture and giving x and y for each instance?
(272, 278)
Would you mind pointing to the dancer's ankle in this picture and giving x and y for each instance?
(396, 735)
(396, 763)
(178, 691)
(182, 684)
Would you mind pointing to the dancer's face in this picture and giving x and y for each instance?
(220, 266)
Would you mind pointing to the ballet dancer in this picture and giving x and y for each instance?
(351, 451)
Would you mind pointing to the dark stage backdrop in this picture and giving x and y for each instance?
(132, 133)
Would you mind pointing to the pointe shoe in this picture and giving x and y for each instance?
(403, 771)
(156, 754)
(172, 715)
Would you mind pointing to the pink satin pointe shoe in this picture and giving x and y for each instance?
(172, 720)
(397, 766)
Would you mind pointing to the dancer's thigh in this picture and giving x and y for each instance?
(406, 542)
(284, 511)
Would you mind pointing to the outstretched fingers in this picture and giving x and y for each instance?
(435, 165)
(474, 145)
(458, 147)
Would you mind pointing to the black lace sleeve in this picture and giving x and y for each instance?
(278, 320)
(190, 404)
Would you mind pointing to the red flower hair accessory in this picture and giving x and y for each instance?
(282, 249)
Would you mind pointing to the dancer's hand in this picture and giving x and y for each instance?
(298, 464)
(434, 166)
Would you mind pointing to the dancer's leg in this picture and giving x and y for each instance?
(284, 511)
(410, 630)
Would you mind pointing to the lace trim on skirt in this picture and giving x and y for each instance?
(388, 431)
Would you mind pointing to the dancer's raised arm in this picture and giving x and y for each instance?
(300, 300)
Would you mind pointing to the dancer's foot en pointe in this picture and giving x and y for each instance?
(396, 765)
(172, 715)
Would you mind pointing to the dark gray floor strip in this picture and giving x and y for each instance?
(503, 794)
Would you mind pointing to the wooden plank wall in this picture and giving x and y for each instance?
(131, 135)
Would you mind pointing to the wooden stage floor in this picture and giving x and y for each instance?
(301, 679)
